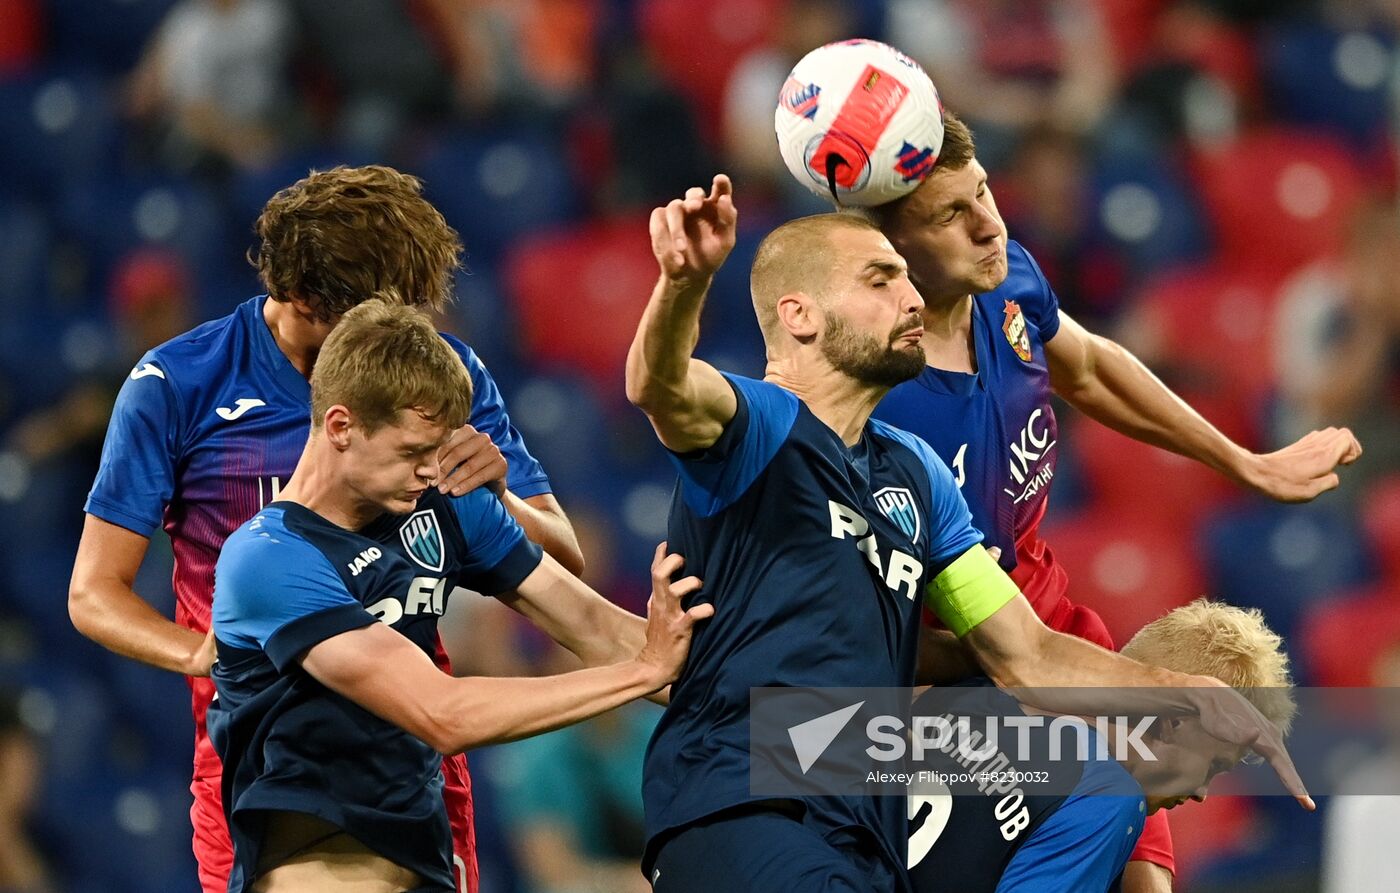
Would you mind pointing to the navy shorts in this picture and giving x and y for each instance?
(761, 850)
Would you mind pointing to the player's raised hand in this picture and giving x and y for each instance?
(669, 625)
(1305, 469)
(1227, 716)
(468, 460)
(693, 235)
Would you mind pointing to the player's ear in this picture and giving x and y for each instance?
(800, 316)
(337, 424)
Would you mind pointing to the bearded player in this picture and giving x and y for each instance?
(208, 427)
(997, 346)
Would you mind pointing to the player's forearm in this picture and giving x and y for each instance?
(658, 362)
(544, 522)
(1117, 390)
(115, 617)
(484, 710)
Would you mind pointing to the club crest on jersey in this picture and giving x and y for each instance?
(423, 539)
(1015, 330)
(898, 505)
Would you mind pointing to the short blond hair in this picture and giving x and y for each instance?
(1231, 644)
(796, 257)
(384, 357)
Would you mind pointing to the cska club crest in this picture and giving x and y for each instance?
(1015, 330)
(423, 539)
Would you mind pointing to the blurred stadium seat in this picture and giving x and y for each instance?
(1130, 566)
(60, 129)
(1321, 76)
(579, 293)
(1283, 560)
(1278, 197)
(1341, 639)
(1380, 518)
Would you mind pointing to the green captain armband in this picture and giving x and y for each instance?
(969, 590)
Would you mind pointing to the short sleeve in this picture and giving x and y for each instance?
(276, 592)
(714, 478)
(136, 477)
(525, 477)
(1039, 302)
(499, 556)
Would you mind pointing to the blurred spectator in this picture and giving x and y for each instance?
(1338, 344)
(572, 804)
(752, 93)
(505, 54)
(383, 70)
(213, 83)
(1359, 851)
(21, 868)
(1010, 64)
(149, 304)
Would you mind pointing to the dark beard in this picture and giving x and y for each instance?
(865, 359)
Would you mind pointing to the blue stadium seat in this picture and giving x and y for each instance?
(60, 127)
(112, 217)
(564, 427)
(1282, 559)
(494, 188)
(1318, 76)
(1146, 209)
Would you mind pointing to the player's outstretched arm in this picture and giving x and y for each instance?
(104, 607)
(1107, 383)
(687, 400)
(574, 615)
(1066, 674)
(388, 675)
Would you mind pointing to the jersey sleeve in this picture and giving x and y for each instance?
(136, 477)
(279, 594)
(713, 478)
(1040, 303)
(499, 556)
(1085, 844)
(525, 477)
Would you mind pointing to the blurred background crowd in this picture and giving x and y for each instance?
(1213, 182)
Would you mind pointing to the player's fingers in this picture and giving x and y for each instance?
(1271, 748)
(666, 568)
(700, 612)
(675, 222)
(1350, 447)
(727, 213)
(681, 588)
(659, 554)
(721, 186)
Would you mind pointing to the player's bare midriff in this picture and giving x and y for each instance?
(303, 854)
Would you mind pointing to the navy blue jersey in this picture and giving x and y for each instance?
(988, 821)
(816, 557)
(289, 579)
(996, 428)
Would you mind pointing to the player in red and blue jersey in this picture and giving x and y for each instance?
(997, 347)
(207, 429)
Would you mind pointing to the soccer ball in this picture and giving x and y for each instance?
(859, 122)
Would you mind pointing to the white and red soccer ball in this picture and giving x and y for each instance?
(859, 122)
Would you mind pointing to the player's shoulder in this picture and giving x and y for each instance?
(758, 393)
(463, 350)
(199, 355)
(1022, 272)
(903, 440)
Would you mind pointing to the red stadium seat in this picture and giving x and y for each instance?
(579, 294)
(1380, 516)
(1215, 328)
(1279, 198)
(697, 45)
(1123, 473)
(1341, 639)
(1129, 566)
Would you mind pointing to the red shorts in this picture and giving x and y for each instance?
(214, 850)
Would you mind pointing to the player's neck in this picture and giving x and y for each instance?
(314, 485)
(842, 403)
(947, 340)
(298, 339)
